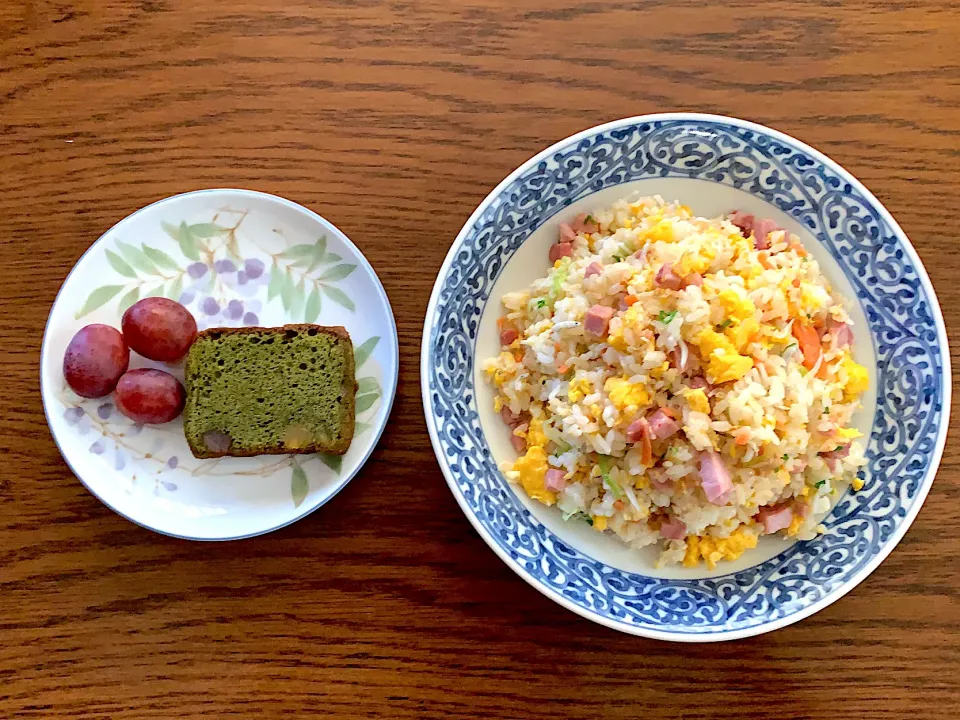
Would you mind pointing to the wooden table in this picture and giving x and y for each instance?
(394, 119)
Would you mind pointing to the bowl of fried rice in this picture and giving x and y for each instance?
(686, 376)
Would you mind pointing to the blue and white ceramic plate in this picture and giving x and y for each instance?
(713, 164)
(233, 258)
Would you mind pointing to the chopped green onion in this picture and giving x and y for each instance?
(608, 482)
(820, 484)
(726, 323)
(666, 317)
(590, 219)
(579, 515)
(785, 457)
(617, 258)
(541, 303)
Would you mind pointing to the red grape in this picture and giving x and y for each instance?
(159, 329)
(150, 396)
(94, 361)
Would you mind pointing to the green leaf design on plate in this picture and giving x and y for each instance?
(334, 462)
(287, 289)
(188, 243)
(298, 300)
(361, 353)
(137, 258)
(299, 487)
(339, 297)
(129, 299)
(312, 310)
(120, 265)
(175, 289)
(98, 298)
(155, 292)
(207, 230)
(299, 252)
(365, 402)
(362, 427)
(332, 258)
(367, 384)
(276, 282)
(338, 272)
(160, 258)
(319, 253)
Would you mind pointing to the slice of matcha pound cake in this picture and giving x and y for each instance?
(268, 391)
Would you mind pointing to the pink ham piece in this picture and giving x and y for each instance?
(667, 278)
(698, 382)
(842, 334)
(676, 356)
(585, 224)
(597, 320)
(554, 480)
(560, 250)
(693, 279)
(742, 220)
(637, 429)
(509, 417)
(761, 229)
(673, 529)
(775, 517)
(715, 478)
(567, 235)
(519, 444)
(593, 268)
(508, 335)
(662, 425)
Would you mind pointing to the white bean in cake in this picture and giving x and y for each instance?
(680, 380)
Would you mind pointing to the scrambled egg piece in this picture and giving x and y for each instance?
(795, 525)
(599, 523)
(736, 307)
(662, 230)
(857, 484)
(535, 435)
(849, 434)
(532, 468)
(742, 332)
(697, 400)
(497, 404)
(713, 549)
(623, 393)
(630, 318)
(725, 363)
(499, 375)
(696, 262)
(579, 389)
(857, 379)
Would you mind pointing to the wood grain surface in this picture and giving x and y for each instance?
(394, 119)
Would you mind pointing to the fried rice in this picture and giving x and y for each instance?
(680, 380)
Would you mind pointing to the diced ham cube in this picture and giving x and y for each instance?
(560, 250)
(775, 517)
(673, 529)
(637, 430)
(597, 320)
(715, 478)
(742, 220)
(508, 335)
(693, 279)
(519, 444)
(667, 278)
(509, 416)
(554, 480)
(593, 268)
(662, 425)
(761, 229)
(842, 334)
(567, 234)
(586, 224)
(698, 382)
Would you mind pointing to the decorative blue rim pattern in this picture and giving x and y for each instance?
(906, 327)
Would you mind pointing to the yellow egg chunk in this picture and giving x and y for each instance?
(741, 332)
(697, 400)
(623, 393)
(712, 549)
(599, 523)
(535, 434)
(858, 380)
(579, 389)
(849, 434)
(532, 468)
(727, 367)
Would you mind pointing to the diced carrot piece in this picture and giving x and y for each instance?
(646, 450)
(796, 282)
(765, 261)
(562, 369)
(808, 340)
(630, 300)
(798, 249)
(500, 322)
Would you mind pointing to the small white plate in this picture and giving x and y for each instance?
(234, 258)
